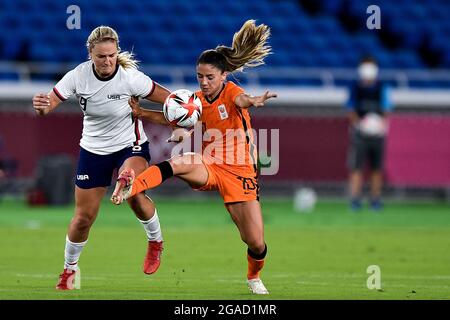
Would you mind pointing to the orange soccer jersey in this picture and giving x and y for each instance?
(228, 149)
(228, 138)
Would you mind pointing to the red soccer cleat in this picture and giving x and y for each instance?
(68, 280)
(153, 258)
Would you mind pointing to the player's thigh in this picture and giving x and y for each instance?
(247, 216)
(93, 170)
(136, 158)
(137, 163)
(87, 202)
(190, 168)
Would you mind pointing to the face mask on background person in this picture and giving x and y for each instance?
(368, 71)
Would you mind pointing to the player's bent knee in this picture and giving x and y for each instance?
(182, 168)
(256, 245)
(185, 164)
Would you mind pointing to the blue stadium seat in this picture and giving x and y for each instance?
(42, 52)
(10, 46)
(287, 9)
(176, 31)
(384, 59)
(331, 7)
(326, 25)
(406, 59)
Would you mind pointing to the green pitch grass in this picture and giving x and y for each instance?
(321, 255)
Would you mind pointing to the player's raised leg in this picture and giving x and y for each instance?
(87, 203)
(248, 218)
(188, 167)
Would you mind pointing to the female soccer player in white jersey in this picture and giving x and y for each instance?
(111, 139)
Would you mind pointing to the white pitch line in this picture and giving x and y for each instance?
(48, 276)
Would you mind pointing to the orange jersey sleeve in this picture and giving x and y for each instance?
(227, 132)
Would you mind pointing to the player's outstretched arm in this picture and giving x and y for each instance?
(157, 117)
(158, 95)
(144, 114)
(45, 103)
(245, 101)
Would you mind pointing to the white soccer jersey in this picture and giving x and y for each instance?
(108, 125)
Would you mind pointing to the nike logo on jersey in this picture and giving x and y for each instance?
(114, 96)
(82, 177)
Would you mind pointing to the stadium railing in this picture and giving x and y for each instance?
(302, 86)
(185, 74)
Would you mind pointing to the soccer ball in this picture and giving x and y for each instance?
(373, 125)
(182, 108)
(305, 200)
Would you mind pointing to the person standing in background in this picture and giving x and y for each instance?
(368, 108)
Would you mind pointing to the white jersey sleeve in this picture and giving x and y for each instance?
(140, 84)
(66, 86)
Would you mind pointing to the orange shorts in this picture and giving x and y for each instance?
(232, 187)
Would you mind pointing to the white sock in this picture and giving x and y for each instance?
(72, 254)
(152, 228)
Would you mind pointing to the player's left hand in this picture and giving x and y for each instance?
(135, 106)
(259, 101)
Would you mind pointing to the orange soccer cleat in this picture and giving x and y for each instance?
(69, 280)
(153, 257)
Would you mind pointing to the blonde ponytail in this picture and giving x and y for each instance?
(126, 60)
(249, 47)
(105, 33)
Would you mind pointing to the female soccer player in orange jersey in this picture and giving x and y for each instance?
(231, 167)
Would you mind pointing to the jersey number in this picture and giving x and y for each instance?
(248, 183)
(83, 103)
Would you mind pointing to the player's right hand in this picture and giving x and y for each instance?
(135, 107)
(41, 103)
(179, 134)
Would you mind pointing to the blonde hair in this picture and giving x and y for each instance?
(248, 50)
(105, 33)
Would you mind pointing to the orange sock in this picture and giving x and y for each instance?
(254, 267)
(152, 177)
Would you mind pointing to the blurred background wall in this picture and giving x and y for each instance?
(316, 44)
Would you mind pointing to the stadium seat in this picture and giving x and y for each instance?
(299, 37)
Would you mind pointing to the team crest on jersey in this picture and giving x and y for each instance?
(114, 96)
(222, 112)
